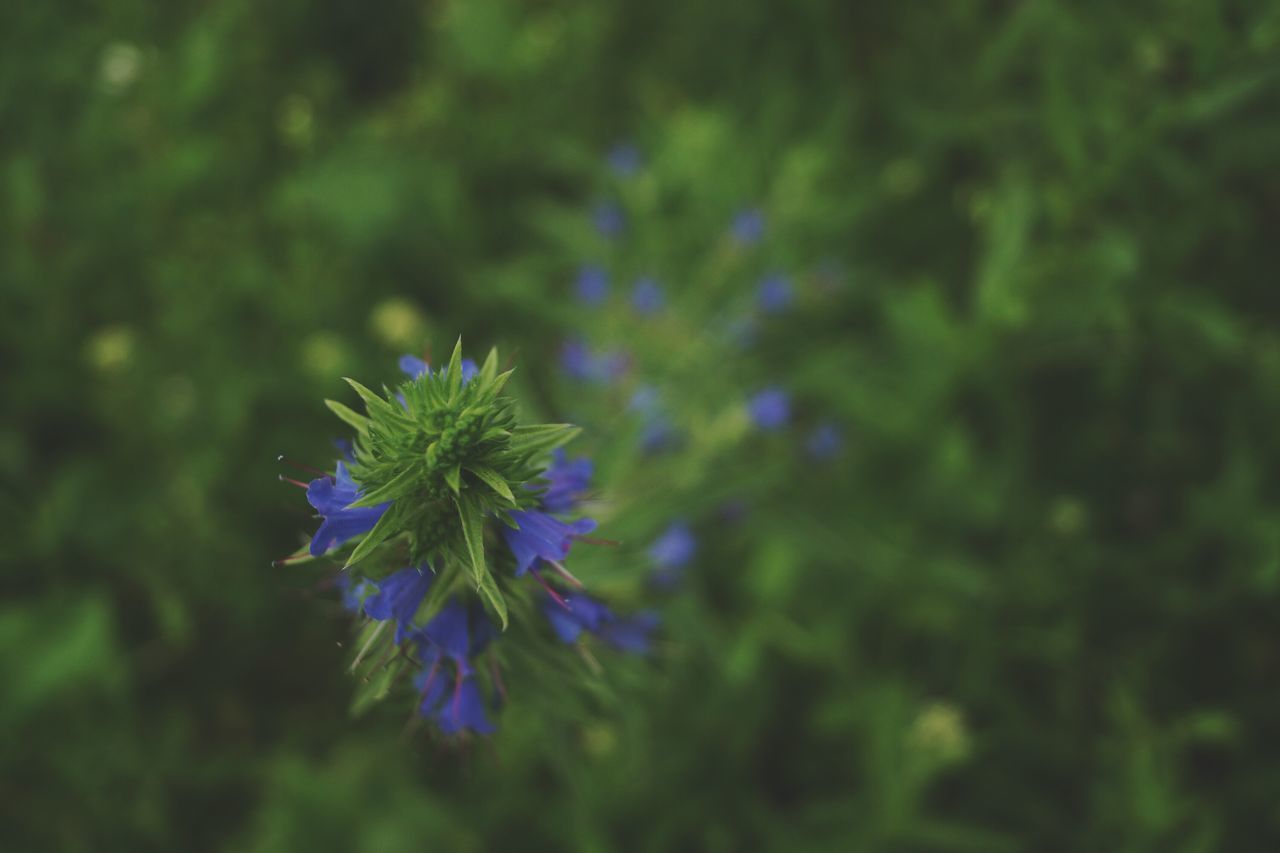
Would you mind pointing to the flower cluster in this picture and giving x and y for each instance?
(442, 509)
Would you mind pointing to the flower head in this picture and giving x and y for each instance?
(331, 496)
(671, 552)
(624, 159)
(647, 297)
(592, 285)
(542, 536)
(675, 547)
(353, 591)
(770, 409)
(825, 442)
(452, 639)
(748, 226)
(608, 219)
(566, 482)
(398, 597)
(414, 367)
(774, 294)
(588, 614)
(581, 362)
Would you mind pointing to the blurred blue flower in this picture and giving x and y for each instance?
(566, 482)
(585, 613)
(542, 536)
(353, 594)
(774, 294)
(748, 226)
(608, 218)
(671, 552)
(579, 361)
(331, 496)
(592, 285)
(675, 547)
(770, 409)
(657, 432)
(415, 367)
(624, 159)
(825, 442)
(398, 597)
(647, 297)
(645, 399)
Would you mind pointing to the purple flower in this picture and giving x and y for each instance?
(542, 536)
(331, 496)
(675, 547)
(825, 442)
(657, 432)
(624, 159)
(748, 226)
(645, 400)
(671, 552)
(608, 219)
(774, 294)
(566, 482)
(770, 409)
(588, 614)
(592, 285)
(398, 597)
(454, 707)
(415, 367)
(451, 639)
(647, 297)
(353, 595)
(579, 361)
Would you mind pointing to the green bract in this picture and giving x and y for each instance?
(449, 455)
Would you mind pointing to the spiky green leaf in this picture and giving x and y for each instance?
(493, 480)
(388, 525)
(473, 533)
(398, 486)
(455, 369)
(349, 416)
(541, 438)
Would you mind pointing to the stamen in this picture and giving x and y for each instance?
(297, 483)
(565, 573)
(301, 466)
(292, 558)
(555, 596)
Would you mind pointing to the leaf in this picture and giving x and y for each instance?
(387, 526)
(493, 595)
(349, 416)
(453, 476)
(455, 369)
(540, 438)
(500, 381)
(376, 684)
(489, 369)
(473, 533)
(373, 403)
(493, 480)
(398, 486)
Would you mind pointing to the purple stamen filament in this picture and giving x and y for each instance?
(555, 596)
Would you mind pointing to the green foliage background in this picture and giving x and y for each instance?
(1033, 606)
